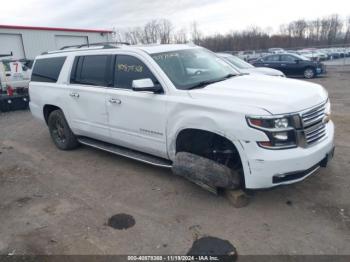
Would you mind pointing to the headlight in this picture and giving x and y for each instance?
(280, 130)
(281, 123)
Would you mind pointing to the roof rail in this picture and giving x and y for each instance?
(84, 47)
(104, 44)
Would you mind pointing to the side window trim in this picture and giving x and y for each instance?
(109, 76)
(73, 73)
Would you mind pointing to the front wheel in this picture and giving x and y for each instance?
(60, 131)
(309, 73)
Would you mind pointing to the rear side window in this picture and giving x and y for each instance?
(47, 69)
(272, 58)
(91, 70)
(287, 58)
(129, 68)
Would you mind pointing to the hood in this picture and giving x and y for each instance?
(277, 95)
(264, 71)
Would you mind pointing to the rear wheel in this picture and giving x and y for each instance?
(309, 73)
(60, 131)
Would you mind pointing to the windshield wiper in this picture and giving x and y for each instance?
(229, 76)
(201, 84)
(208, 82)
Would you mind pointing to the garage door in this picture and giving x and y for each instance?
(12, 43)
(66, 40)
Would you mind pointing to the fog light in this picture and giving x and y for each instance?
(281, 123)
(281, 136)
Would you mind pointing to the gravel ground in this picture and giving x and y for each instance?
(55, 202)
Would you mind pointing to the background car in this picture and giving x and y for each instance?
(315, 55)
(276, 50)
(13, 73)
(292, 64)
(245, 67)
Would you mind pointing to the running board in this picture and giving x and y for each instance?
(125, 152)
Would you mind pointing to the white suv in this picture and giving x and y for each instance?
(181, 106)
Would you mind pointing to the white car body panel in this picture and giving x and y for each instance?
(133, 123)
(271, 93)
(88, 113)
(151, 122)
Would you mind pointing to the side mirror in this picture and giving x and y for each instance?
(145, 84)
(297, 61)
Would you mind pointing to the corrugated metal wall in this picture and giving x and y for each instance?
(36, 42)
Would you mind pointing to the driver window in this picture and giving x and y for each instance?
(129, 68)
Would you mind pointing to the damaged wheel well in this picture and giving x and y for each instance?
(48, 109)
(209, 145)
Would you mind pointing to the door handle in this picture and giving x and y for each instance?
(115, 101)
(283, 64)
(74, 94)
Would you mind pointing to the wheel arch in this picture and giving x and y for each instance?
(204, 142)
(48, 109)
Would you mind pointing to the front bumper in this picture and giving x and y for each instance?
(268, 168)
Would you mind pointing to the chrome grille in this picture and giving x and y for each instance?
(313, 116)
(314, 128)
(315, 133)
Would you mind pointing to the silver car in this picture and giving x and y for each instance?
(245, 67)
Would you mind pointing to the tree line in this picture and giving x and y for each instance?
(325, 31)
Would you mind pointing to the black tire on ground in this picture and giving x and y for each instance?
(309, 73)
(60, 131)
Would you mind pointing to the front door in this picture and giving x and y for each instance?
(289, 66)
(137, 120)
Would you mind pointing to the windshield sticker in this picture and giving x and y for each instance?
(130, 68)
(165, 56)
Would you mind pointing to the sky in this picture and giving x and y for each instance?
(212, 16)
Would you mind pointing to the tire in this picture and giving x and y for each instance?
(309, 73)
(60, 131)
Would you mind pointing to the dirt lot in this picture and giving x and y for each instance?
(55, 202)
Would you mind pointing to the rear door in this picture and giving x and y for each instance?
(87, 108)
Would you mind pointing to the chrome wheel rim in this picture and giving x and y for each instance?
(309, 73)
(58, 131)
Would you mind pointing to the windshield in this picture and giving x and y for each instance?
(238, 62)
(190, 67)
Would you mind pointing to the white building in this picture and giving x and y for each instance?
(28, 42)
